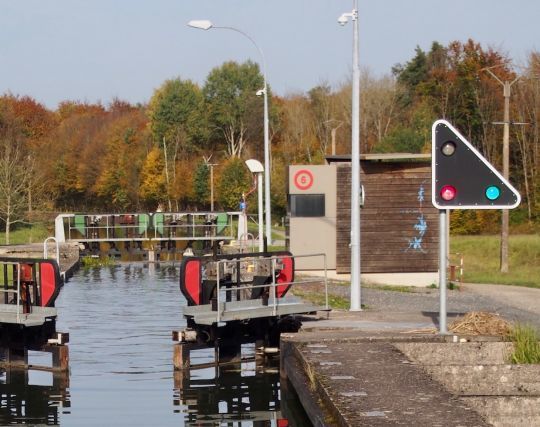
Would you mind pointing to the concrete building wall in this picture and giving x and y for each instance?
(309, 235)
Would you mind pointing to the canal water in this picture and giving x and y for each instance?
(120, 320)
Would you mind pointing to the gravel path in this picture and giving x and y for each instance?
(514, 303)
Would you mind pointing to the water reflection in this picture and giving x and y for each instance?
(120, 320)
(230, 394)
(24, 402)
(245, 394)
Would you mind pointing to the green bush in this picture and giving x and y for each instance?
(467, 222)
(91, 261)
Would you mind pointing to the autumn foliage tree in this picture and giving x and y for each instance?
(124, 138)
(232, 183)
(15, 171)
(153, 187)
(201, 184)
(90, 157)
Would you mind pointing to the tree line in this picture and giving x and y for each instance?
(90, 157)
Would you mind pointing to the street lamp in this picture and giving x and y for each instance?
(211, 167)
(355, 163)
(333, 133)
(206, 25)
(256, 168)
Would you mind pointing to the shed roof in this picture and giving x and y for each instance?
(379, 157)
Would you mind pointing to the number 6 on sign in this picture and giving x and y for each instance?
(303, 179)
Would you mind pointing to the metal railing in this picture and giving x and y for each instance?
(222, 264)
(146, 226)
(45, 249)
(17, 291)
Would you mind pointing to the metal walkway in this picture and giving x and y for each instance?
(10, 313)
(249, 287)
(154, 226)
(250, 309)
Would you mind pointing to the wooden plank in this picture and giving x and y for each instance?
(181, 359)
(391, 211)
(60, 357)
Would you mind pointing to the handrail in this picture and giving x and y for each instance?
(13, 291)
(273, 285)
(45, 249)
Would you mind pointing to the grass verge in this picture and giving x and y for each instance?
(35, 233)
(392, 288)
(316, 298)
(481, 259)
(526, 345)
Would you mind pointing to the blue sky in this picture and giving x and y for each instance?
(95, 50)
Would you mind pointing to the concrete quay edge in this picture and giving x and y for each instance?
(320, 388)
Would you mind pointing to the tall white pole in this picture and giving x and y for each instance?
(211, 188)
(260, 200)
(267, 165)
(356, 304)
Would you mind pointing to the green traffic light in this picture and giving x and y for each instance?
(493, 192)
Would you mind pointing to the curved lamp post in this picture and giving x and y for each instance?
(207, 25)
(355, 163)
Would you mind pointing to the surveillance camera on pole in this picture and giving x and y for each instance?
(343, 19)
(356, 303)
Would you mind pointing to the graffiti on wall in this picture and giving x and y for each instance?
(421, 226)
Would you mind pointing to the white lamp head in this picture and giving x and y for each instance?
(254, 166)
(203, 24)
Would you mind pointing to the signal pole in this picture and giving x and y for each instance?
(461, 179)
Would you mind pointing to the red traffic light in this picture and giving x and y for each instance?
(448, 192)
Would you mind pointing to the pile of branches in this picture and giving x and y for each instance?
(481, 323)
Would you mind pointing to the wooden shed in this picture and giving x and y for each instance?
(398, 227)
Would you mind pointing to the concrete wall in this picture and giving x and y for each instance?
(318, 234)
